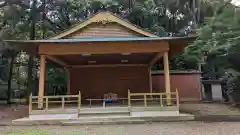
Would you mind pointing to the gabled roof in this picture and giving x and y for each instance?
(104, 17)
(106, 39)
(176, 43)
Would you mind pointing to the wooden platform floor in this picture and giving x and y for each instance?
(103, 110)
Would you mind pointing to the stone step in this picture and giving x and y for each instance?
(109, 109)
(107, 122)
(168, 108)
(104, 113)
(88, 120)
(128, 120)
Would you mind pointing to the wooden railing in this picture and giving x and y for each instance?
(47, 100)
(165, 99)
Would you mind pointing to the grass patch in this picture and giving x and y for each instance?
(237, 113)
(27, 133)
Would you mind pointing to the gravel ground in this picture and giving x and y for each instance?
(9, 113)
(170, 128)
(209, 109)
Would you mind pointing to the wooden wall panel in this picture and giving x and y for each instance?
(104, 30)
(187, 84)
(94, 82)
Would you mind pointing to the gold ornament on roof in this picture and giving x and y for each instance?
(104, 21)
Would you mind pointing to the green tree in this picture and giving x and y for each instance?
(218, 47)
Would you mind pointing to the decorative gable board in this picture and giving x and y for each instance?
(104, 24)
(104, 30)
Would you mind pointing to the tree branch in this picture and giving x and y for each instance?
(19, 2)
(219, 10)
(53, 24)
(54, 30)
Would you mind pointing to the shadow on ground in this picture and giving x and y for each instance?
(12, 112)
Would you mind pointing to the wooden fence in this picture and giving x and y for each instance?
(164, 99)
(46, 101)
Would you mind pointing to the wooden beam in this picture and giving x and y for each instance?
(58, 61)
(41, 81)
(103, 48)
(155, 59)
(109, 65)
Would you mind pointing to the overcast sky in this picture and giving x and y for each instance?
(237, 2)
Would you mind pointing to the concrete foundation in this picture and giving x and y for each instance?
(105, 116)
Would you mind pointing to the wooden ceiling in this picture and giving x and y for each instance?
(110, 59)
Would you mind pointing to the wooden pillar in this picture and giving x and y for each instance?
(41, 81)
(150, 79)
(68, 82)
(167, 77)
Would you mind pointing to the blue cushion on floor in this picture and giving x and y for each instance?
(108, 101)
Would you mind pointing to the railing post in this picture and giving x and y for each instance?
(145, 100)
(177, 98)
(63, 100)
(46, 104)
(161, 100)
(129, 100)
(169, 99)
(30, 104)
(79, 103)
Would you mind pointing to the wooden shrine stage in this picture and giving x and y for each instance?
(148, 108)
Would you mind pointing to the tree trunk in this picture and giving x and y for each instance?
(9, 92)
(32, 37)
(29, 80)
(43, 19)
(194, 15)
(199, 12)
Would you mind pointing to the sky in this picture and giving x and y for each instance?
(236, 2)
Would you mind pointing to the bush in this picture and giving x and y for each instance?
(236, 92)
